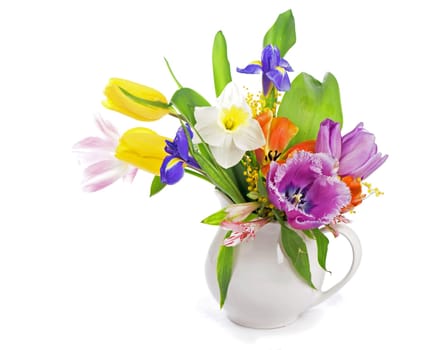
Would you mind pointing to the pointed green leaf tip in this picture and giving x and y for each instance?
(224, 267)
(282, 34)
(156, 186)
(309, 102)
(295, 248)
(220, 63)
(216, 218)
(322, 247)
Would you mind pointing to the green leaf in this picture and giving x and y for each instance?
(295, 248)
(216, 218)
(219, 178)
(261, 185)
(236, 173)
(224, 267)
(156, 186)
(142, 101)
(282, 33)
(309, 234)
(212, 171)
(309, 102)
(322, 247)
(220, 63)
(186, 99)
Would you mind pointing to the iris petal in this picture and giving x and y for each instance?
(284, 64)
(250, 69)
(279, 79)
(270, 58)
(171, 175)
(273, 68)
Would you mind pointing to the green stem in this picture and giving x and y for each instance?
(172, 73)
(197, 174)
(271, 98)
(233, 191)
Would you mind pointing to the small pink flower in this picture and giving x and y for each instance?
(242, 231)
(239, 212)
(96, 154)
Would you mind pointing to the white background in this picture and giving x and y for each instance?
(119, 270)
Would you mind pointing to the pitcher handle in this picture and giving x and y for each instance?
(353, 240)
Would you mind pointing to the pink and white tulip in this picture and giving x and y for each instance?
(96, 154)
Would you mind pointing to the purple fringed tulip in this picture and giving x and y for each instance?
(172, 169)
(307, 189)
(356, 151)
(273, 67)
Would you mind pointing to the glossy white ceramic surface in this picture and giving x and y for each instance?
(265, 291)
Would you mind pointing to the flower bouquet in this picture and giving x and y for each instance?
(275, 156)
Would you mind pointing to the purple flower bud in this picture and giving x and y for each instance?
(356, 151)
(329, 139)
(359, 156)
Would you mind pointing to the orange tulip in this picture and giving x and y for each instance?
(357, 197)
(278, 133)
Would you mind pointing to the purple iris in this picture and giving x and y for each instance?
(356, 151)
(179, 156)
(307, 189)
(274, 70)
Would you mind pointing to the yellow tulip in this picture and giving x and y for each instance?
(143, 148)
(134, 100)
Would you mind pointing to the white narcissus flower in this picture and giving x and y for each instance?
(229, 128)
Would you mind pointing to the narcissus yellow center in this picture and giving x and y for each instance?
(232, 118)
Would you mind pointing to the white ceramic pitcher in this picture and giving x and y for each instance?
(265, 291)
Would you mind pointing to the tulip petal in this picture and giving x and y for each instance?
(102, 168)
(107, 128)
(370, 166)
(135, 100)
(302, 189)
(93, 143)
(282, 130)
(329, 138)
(142, 148)
(101, 174)
(130, 175)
